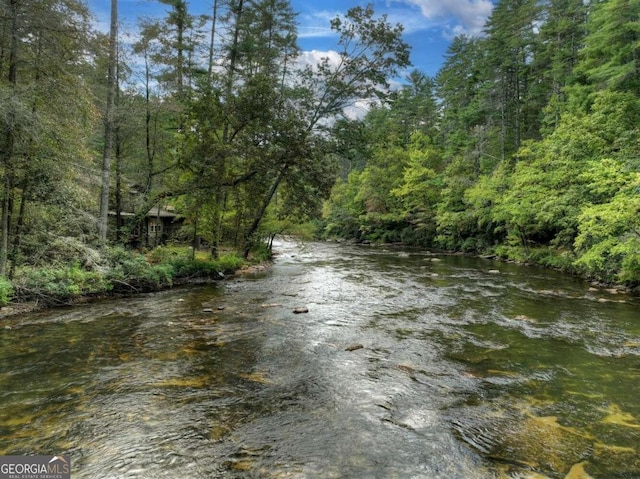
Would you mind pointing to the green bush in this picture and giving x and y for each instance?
(260, 252)
(130, 270)
(121, 271)
(561, 260)
(168, 254)
(6, 291)
(230, 262)
(187, 268)
(184, 267)
(62, 283)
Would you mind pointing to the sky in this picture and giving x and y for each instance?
(429, 25)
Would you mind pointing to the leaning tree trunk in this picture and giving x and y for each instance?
(249, 237)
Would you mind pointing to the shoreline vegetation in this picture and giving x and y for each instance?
(122, 273)
(117, 272)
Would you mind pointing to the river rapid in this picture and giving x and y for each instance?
(408, 364)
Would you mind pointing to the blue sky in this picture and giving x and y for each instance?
(429, 24)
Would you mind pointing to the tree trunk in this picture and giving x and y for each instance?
(15, 250)
(108, 126)
(150, 150)
(118, 198)
(180, 26)
(5, 222)
(248, 243)
(118, 146)
(213, 37)
(233, 58)
(195, 244)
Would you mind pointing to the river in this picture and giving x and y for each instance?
(407, 365)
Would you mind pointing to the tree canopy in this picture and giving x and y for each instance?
(524, 145)
(534, 151)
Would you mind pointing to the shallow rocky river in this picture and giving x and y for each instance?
(407, 365)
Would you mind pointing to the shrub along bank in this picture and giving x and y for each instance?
(114, 271)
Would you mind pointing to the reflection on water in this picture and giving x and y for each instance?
(464, 372)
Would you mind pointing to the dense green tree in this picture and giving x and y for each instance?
(45, 110)
(536, 152)
(561, 37)
(610, 58)
(255, 125)
(461, 86)
(510, 46)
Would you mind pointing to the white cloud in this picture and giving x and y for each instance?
(314, 57)
(358, 110)
(469, 15)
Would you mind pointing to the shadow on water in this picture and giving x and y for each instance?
(408, 364)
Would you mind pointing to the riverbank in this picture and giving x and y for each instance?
(119, 274)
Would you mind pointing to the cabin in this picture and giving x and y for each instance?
(161, 224)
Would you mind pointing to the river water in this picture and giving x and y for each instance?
(407, 365)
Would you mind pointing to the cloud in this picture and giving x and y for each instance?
(314, 57)
(316, 24)
(358, 110)
(469, 16)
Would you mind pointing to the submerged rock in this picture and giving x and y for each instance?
(354, 347)
(578, 472)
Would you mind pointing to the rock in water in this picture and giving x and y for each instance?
(354, 347)
(301, 309)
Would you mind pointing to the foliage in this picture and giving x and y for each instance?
(535, 154)
(609, 236)
(60, 283)
(6, 291)
(129, 270)
(186, 265)
(525, 144)
(117, 270)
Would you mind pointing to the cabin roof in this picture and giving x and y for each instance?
(161, 213)
(152, 213)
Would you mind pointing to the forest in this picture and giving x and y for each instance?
(127, 164)
(524, 146)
